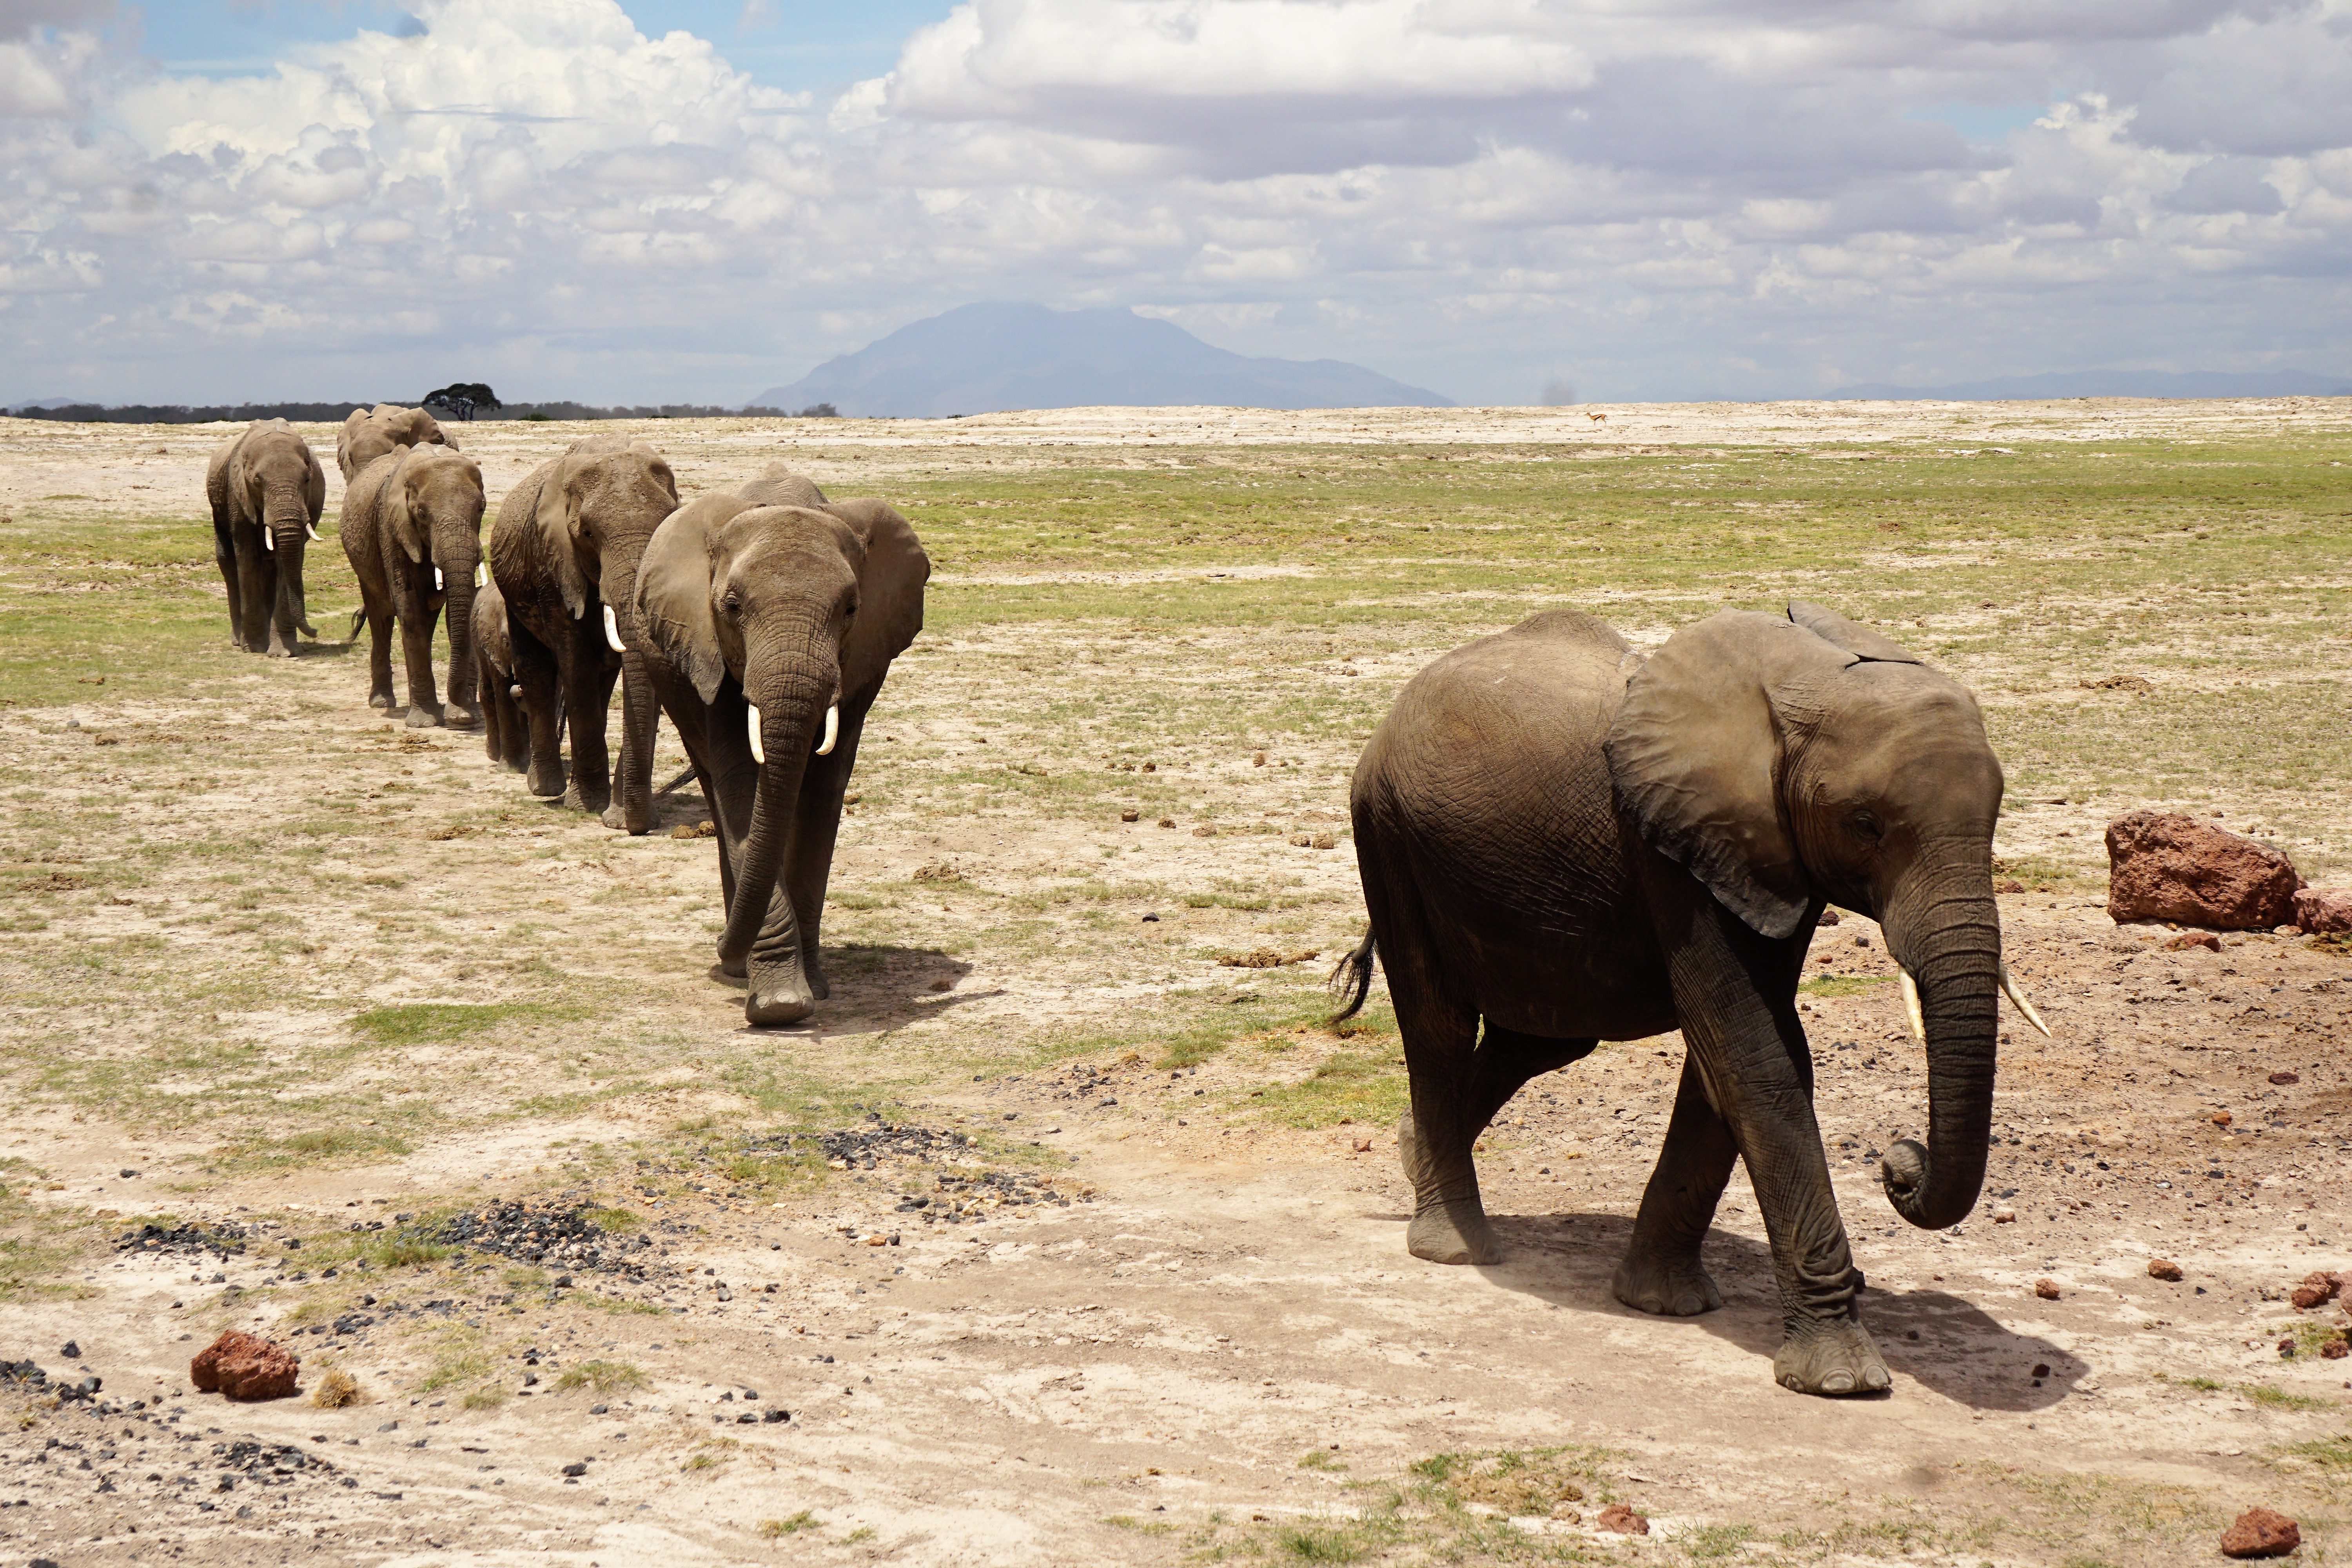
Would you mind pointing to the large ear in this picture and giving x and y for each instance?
(889, 592)
(399, 514)
(1696, 751)
(558, 517)
(674, 599)
(1860, 641)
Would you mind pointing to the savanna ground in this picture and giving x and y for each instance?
(272, 962)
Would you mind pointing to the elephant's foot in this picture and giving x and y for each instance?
(616, 817)
(420, 717)
(1834, 1358)
(592, 802)
(1453, 1231)
(279, 650)
(544, 783)
(380, 700)
(1671, 1288)
(518, 765)
(458, 718)
(735, 968)
(818, 986)
(778, 998)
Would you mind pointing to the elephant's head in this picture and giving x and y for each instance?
(596, 511)
(792, 613)
(1791, 764)
(285, 488)
(368, 433)
(432, 506)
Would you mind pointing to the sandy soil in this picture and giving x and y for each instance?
(1219, 1345)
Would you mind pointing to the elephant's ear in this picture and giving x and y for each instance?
(399, 515)
(889, 592)
(1697, 751)
(674, 609)
(558, 518)
(1858, 640)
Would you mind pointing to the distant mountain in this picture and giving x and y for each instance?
(2113, 383)
(985, 358)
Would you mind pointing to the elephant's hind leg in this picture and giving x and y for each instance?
(1661, 1272)
(1450, 1223)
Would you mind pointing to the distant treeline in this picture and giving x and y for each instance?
(332, 413)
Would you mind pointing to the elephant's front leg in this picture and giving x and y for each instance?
(588, 697)
(420, 613)
(380, 628)
(225, 557)
(1661, 1271)
(821, 789)
(257, 581)
(537, 673)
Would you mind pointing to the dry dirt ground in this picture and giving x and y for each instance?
(278, 970)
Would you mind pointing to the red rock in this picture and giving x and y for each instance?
(2335, 1350)
(2164, 867)
(1618, 1517)
(245, 1366)
(2322, 909)
(2188, 939)
(2163, 1269)
(2046, 1289)
(2284, 1079)
(2261, 1533)
(2318, 1288)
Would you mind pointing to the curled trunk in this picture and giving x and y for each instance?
(1945, 930)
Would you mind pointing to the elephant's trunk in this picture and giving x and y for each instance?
(286, 517)
(639, 715)
(761, 925)
(1945, 929)
(464, 658)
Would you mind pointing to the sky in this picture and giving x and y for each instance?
(645, 201)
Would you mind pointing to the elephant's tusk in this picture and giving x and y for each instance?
(312, 529)
(1911, 1005)
(438, 585)
(612, 632)
(481, 576)
(832, 731)
(759, 752)
(2016, 994)
(266, 543)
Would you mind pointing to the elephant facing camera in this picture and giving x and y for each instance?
(1563, 843)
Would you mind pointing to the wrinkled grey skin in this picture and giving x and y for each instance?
(788, 609)
(566, 546)
(412, 526)
(267, 491)
(1572, 845)
(506, 728)
(369, 434)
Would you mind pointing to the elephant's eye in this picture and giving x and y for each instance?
(732, 603)
(1866, 828)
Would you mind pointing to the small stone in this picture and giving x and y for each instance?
(1830, 918)
(72, 1350)
(2004, 1216)
(1129, 815)
(1325, 841)
(2164, 1268)
(2167, 866)
(777, 1415)
(245, 1366)
(1363, 1145)
(2042, 1368)
(127, 1173)
(2335, 1350)
(2223, 1118)
(577, 1468)
(2046, 1289)
(2318, 1289)
(1622, 1519)
(598, 1409)
(2322, 911)
(2261, 1533)
(2284, 1079)
(2188, 939)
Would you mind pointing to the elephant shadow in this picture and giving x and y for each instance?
(876, 986)
(1943, 1341)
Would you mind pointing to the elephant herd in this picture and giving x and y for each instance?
(1561, 841)
(762, 620)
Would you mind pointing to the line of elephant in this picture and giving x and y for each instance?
(1561, 841)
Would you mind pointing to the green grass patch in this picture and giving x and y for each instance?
(1841, 984)
(442, 1023)
(601, 1376)
(777, 1528)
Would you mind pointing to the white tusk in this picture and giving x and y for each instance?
(758, 753)
(832, 731)
(612, 632)
(1911, 1005)
(481, 576)
(312, 529)
(438, 584)
(2017, 994)
(267, 543)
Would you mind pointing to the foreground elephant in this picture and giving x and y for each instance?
(413, 528)
(505, 734)
(564, 553)
(768, 629)
(368, 433)
(1574, 846)
(267, 491)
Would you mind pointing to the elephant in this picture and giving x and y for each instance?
(1571, 844)
(506, 735)
(413, 528)
(564, 553)
(769, 630)
(267, 491)
(369, 434)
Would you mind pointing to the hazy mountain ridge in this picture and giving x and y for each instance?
(2109, 384)
(989, 358)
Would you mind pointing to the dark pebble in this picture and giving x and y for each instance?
(72, 1350)
(577, 1468)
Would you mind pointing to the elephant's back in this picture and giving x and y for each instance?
(1535, 695)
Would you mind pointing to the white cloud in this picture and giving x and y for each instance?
(1682, 197)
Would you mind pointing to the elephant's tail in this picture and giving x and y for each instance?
(1352, 981)
(359, 619)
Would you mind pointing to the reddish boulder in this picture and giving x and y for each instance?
(2162, 866)
(2261, 1533)
(1624, 1520)
(2320, 911)
(2164, 1268)
(245, 1366)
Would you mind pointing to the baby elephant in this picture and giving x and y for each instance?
(506, 722)
(413, 528)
